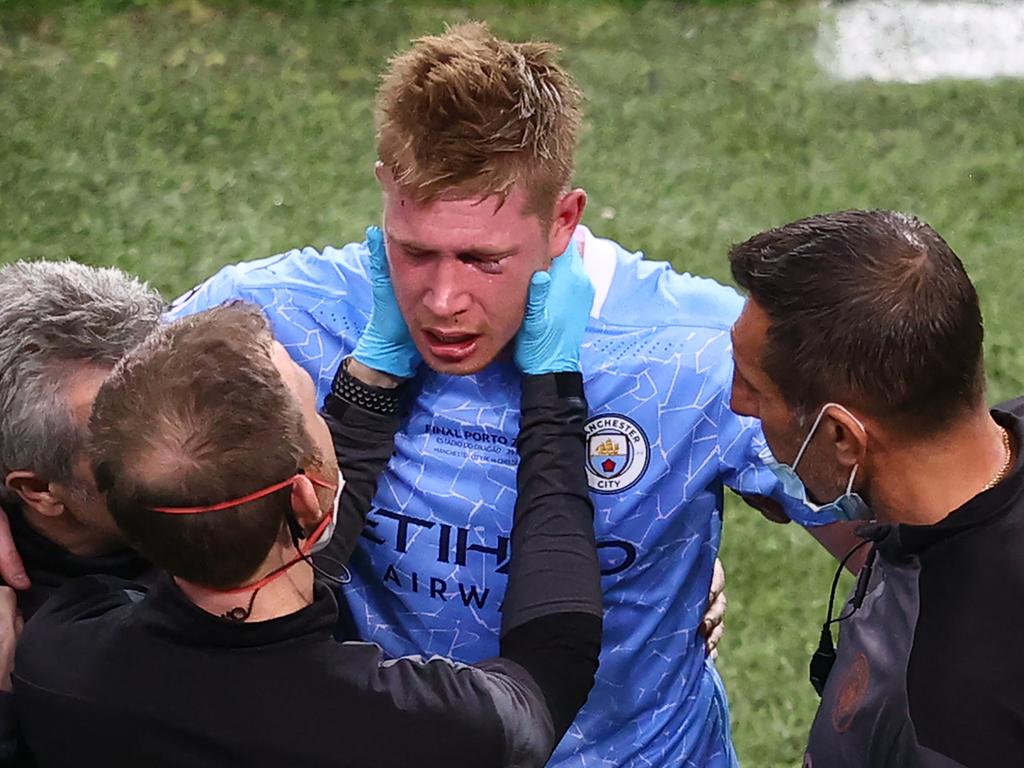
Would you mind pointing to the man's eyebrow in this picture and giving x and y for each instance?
(411, 245)
(468, 253)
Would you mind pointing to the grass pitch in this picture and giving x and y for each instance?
(173, 139)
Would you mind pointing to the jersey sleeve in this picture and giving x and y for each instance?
(301, 280)
(317, 301)
(220, 288)
(742, 452)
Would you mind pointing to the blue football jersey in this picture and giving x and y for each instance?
(430, 571)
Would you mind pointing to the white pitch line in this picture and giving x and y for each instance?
(913, 41)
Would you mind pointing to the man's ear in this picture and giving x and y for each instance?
(35, 492)
(383, 174)
(849, 437)
(565, 218)
(305, 505)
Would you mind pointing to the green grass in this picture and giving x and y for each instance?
(172, 140)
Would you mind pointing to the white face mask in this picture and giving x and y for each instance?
(848, 506)
(325, 537)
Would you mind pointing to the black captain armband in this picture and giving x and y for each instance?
(385, 401)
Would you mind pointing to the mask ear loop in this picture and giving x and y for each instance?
(853, 476)
(807, 440)
(814, 428)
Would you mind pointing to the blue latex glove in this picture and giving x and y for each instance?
(557, 310)
(386, 344)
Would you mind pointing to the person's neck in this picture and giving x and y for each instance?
(923, 482)
(290, 592)
(71, 535)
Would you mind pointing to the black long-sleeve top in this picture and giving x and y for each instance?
(107, 676)
(929, 671)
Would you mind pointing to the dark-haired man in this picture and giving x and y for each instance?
(216, 465)
(860, 349)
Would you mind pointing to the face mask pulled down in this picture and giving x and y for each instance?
(848, 506)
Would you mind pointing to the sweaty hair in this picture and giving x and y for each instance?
(870, 308)
(469, 114)
(55, 317)
(196, 415)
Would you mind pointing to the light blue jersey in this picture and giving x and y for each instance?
(430, 572)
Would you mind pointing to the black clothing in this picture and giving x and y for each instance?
(363, 445)
(108, 676)
(50, 566)
(929, 670)
(551, 614)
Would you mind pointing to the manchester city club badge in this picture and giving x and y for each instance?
(617, 453)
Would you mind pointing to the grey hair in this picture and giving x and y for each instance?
(54, 318)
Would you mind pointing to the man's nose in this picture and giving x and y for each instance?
(447, 295)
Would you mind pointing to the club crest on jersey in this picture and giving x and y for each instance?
(617, 453)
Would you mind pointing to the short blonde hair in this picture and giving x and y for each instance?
(468, 113)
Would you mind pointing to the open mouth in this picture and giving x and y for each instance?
(451, 346)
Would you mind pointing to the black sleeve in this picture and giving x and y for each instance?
(11, 753)
(551, 615)
(363, 443)
(42, 658)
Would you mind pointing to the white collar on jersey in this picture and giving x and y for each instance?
(599, 261)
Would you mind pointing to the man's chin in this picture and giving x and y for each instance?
(480, 358)
(472, 364)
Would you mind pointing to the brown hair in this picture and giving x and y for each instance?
(468, 112)
(198, 414)
(871, 308)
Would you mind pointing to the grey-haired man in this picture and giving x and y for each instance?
(62, 327)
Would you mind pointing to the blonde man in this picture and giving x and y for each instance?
(475, 140)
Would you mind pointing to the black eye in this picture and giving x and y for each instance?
(492, 267)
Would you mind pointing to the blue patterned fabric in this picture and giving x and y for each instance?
(430, 571)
